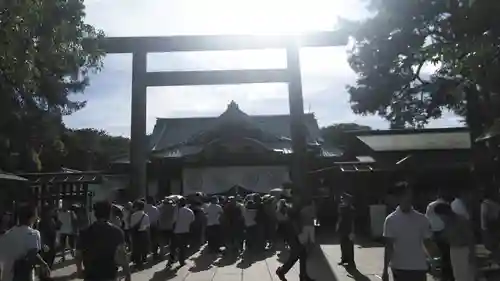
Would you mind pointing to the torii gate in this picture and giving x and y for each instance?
(141, 79)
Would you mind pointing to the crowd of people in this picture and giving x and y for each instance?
(176, 227)
(441, 240)
(113, 234)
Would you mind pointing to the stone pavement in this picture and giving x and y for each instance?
(322, 266)
(369, 262)
(209, 267)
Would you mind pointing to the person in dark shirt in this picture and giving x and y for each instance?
(298, 251)
(101, 248)
(345, 229)
(48, 227)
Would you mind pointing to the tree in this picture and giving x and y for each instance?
(415, 59)
(44, 60)
(90, 149)
(335, 134)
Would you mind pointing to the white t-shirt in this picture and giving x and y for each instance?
(459, 208)
(136, 218)
(153, 213)
(213, 211)
(183, 220)
(249, 216)
(14, 244)
(66, 218)
(126, 219)
(437, 224)
(408, 230)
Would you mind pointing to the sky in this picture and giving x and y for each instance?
(325, 71)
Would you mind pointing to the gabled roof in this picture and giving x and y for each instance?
(170, 132)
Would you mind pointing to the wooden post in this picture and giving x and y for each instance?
(138, 139)
(299, 142)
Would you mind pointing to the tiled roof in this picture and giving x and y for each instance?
(173, 131)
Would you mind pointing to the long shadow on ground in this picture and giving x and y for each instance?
(204, 261)
(318, 266)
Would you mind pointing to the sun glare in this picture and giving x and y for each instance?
(267, 16)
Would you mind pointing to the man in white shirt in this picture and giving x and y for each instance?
(139, 225)
(153, 214)
(406, 232)
(459, 205)
(21, 241)
(127, 215)
(213, 211)
(437, 227)
(67, 231)
(182, 226)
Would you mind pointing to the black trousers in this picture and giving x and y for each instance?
(178, 247)
(154, 236)
(50, 255)
(347, 249)
(251, 234)
(213, 237)
(166, 237)
(298, 252)
(140, 246)
(409, 275)
(444, 249)
(66, 238)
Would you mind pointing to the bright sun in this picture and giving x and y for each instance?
(266, 16)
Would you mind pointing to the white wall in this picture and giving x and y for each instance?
(221, 179)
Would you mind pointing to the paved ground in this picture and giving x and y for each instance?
(322, 266)
(208, 267)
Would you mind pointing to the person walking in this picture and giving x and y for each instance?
(166, 222)
(153, 215)
(67, 232)
(345, 229)
(20, 248)
(490, 222)
(437, 227)
(405, 231)
(298, 248)
(101, 248)
(139, 225)
(48, 227)
(459, 235)
(183, 221)
(213, 212)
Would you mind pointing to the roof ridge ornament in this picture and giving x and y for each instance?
(233, 105)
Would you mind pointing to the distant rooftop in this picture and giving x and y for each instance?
(416, 139)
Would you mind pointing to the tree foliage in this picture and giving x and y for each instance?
(44, 60)
(416, 58)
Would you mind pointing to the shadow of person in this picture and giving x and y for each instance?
(63, 263)
(354, 273)
(247, 259)
(165, 274)
(204, 261)
(69, 277)
(227, 259)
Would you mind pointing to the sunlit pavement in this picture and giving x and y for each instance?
(211, 267)
(322, 266)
